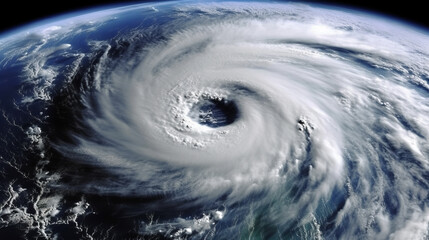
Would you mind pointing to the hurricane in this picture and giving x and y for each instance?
(223, 120)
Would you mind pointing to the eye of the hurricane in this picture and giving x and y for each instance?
(214, 112)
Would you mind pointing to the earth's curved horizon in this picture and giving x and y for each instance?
(220, 120)
(409, 14)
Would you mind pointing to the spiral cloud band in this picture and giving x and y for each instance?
(318, 108)
(259, 120)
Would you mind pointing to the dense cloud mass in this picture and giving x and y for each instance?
(216, 121)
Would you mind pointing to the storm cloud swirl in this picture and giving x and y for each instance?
(229, 120)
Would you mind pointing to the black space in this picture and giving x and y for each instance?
(18, 13)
